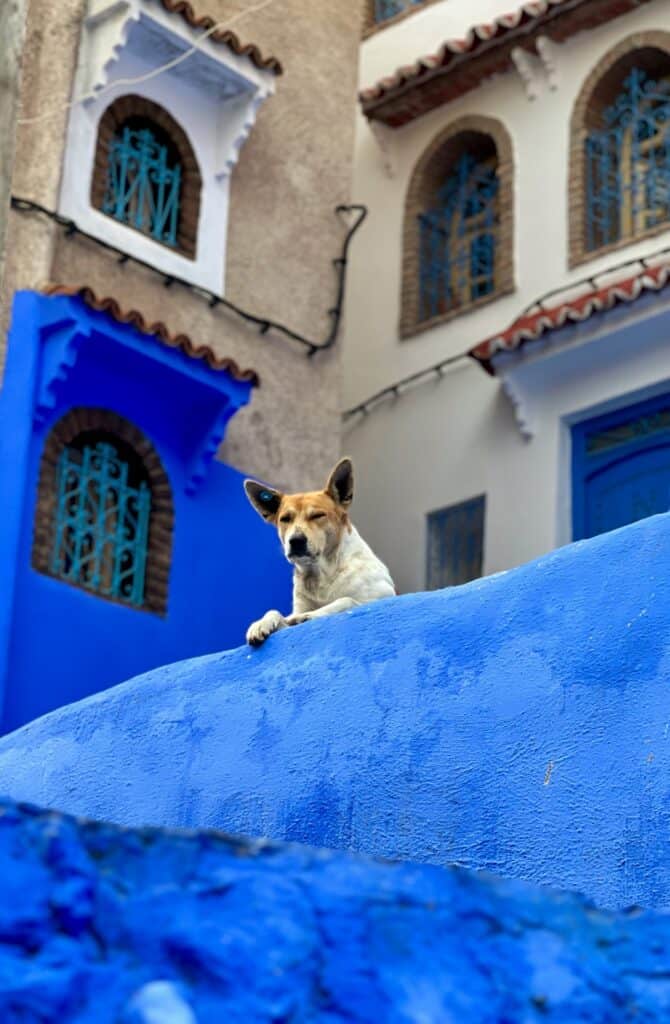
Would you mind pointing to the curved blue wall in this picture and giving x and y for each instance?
(106, 926)
(519, 724)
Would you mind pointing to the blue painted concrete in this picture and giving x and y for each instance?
(101, 926)
(59, 643)
(520, 724)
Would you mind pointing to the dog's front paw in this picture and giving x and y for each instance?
(295, 620)
(259, 631)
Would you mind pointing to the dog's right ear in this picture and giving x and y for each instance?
(264, 499)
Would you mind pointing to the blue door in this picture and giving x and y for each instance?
(621, 467)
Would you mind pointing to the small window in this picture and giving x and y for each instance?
(620, 157)
(103, 508)
(104, 514)
(455, 544)
(458, 251)
(385, 9)
(458, 239)
(145, 174)
(144, 181)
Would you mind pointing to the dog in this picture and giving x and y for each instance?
(333, 567)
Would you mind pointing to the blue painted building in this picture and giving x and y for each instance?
(519, 724)
(124, 543)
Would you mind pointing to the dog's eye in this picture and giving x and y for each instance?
(285, 519)
(318, 515)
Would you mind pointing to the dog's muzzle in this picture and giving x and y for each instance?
(297, 546)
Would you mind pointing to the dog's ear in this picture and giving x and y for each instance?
(264, 499)
(340, 484)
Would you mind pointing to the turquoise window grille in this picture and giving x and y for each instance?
(628, 164)
(102, 523)
(458, 240)
(385, 9)
(143, 186)
(455, 544)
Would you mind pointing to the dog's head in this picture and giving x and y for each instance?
(310, 525)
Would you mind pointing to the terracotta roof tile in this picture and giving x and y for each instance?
(157, 330)
(225, 36)
(534, 325)
(462, 64)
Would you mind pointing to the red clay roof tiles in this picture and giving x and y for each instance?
(462, 64)
(534, 325)
(204, 21)
(158, 330)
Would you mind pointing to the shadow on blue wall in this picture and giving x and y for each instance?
(59, 643)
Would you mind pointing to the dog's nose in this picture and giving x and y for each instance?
(298, 545)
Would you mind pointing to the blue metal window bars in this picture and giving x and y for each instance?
(143, 191)
(102, 524)
(385, 9)
(458, 240)
(628, 164)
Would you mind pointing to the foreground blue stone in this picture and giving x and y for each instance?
(100, 925)
(520, 724)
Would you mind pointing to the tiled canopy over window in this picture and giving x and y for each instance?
(104, 510)
(620, 174)
(146, 174)
(458, 225)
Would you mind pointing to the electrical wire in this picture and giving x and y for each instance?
(437, 369)
(264, 324)
(95, 94)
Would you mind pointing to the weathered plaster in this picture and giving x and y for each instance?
(282, 231)
(519, 724)
(12, 17)
(102, 925)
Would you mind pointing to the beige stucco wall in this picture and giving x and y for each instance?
(283, 233)
(12, 20)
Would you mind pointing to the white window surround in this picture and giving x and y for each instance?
(214, 95)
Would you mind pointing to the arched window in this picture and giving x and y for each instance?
(104, 512)
(621, 152)
(458, 244)
(146, 175)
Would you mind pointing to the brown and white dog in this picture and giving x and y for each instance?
(333, 567)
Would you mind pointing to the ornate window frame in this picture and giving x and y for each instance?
(415, 204)
(579, 130)
(215, 93)
(138, 106)
(83, 419)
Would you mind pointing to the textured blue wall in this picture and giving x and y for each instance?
(59, 643)
(103, 926)
(520, 724)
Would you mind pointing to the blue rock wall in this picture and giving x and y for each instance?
(520, 724)
(106, 926)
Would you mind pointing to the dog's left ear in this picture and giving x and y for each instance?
(264, 499)
(340, 484)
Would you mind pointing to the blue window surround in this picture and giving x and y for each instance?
(628, 164)
(385, 9)
(458, 240)
(599, 443)
(454, 543)
(143, 190)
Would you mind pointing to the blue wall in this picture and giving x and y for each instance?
(59, 643)
(102, 926)
(520, 723)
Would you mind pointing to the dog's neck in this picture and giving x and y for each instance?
(314, 576)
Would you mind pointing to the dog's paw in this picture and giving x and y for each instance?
(259, 631)
(295, 620)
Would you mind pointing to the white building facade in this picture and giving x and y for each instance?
(513, 266)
